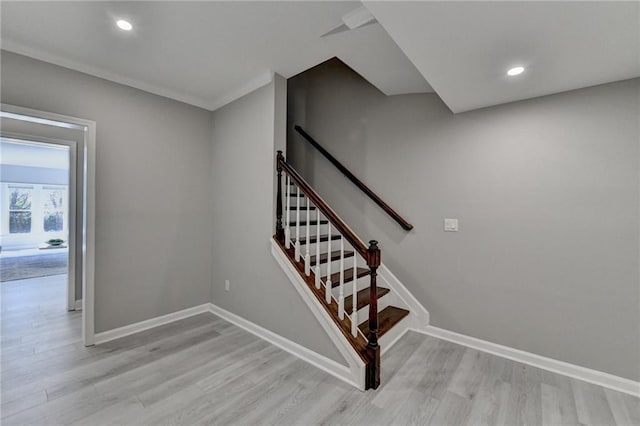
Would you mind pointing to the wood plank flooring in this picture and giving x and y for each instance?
(203, 370)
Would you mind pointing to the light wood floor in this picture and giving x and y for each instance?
(203, 370)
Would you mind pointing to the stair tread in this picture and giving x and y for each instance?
(348, 276)
(363, 299)
(358, 342)
(387, 318)
(335, 255)
(314, 238)
(296, 194)
(311, 222)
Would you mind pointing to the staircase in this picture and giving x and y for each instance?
(339, 269)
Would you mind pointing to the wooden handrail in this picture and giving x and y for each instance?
(357, 182)
(370, 253)
(322, 205)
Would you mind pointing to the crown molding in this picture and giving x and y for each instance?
(254, 84)
(262, 79)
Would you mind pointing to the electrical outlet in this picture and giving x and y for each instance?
(227, 285)
(450, 225)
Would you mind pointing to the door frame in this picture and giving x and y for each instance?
(88, 155)
(72, 206)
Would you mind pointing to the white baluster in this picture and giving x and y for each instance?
(341, 298)
(297, 247)
(287, 230)
(354, 311)
(317, 269)
(307, 257)
(327, 284)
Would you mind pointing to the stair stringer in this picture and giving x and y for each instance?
(356, 366)
(418, 318)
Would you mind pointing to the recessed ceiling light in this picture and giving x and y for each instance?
(515, 71)
(124, 25)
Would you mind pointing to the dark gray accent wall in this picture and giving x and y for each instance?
(546, 191)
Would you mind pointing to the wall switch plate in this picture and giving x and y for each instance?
(450, 225)
(227, 285)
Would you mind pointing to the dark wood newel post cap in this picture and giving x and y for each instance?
(374, 254)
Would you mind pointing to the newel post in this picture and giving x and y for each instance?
(373, 349)
(279, 229)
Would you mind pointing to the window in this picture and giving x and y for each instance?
(20, 209)
(30, 212)
(53, 209)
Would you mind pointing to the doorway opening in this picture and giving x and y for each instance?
(47, 199)
(38, 217)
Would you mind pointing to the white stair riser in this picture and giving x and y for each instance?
(335, 245)
(392, 335)
(324, 228)
(383, 302)
(335, 265)
(362, 283)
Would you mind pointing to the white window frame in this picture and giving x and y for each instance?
(6, 207)
(65, 207)
(37, 211)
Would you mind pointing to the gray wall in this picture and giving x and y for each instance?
(243, 164)
(153, 219)
(546, 191)
(162, 245)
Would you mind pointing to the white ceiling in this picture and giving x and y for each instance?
(202, 53)
(463, 49)
(33, 155)
(210, 53)
(374, 55)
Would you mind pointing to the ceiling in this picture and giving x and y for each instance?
(203, 53)
(464, 49)
(375, 56)
(210, 53)
(33, 155)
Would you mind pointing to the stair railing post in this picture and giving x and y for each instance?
(279, 228)
(373, 348)
(307, 256)
(354, 298)
(297, 245)
(317, 270)
(327, 284)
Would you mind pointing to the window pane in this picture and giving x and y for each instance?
(53, 200)
(20, 199)
(53, 221)
(53, 209)
(19, 222)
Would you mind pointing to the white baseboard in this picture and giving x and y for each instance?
(328, 365)
(343, 372)
(78, 305)
(117, 333)
(571, 370)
